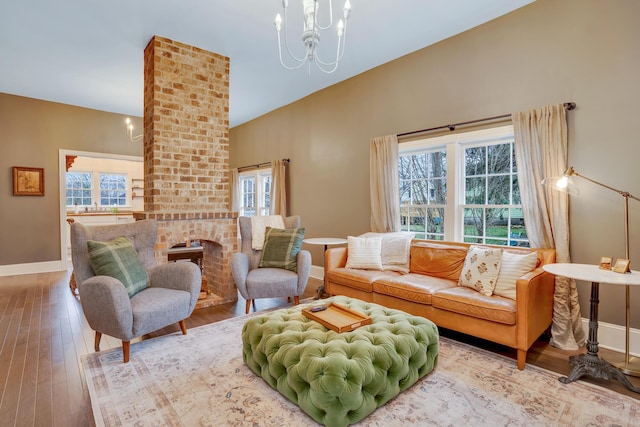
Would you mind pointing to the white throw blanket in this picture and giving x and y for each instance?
(259, 225)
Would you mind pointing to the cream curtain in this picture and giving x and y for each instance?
(541, 152)
(278, 195)
(234, 185)
(384, 187)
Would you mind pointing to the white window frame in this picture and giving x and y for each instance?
(454, 146)
(262, 180)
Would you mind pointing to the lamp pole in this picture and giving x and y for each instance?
(626, 365)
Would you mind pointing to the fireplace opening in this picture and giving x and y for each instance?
(190, 251)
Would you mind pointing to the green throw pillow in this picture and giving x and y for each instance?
(118, 259)
(281, 248)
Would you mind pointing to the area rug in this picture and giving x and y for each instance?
(199, 379)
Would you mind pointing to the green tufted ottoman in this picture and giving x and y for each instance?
(338, 379)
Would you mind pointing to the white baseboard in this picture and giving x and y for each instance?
(317, 272)
(613, 337)
(31, 268)
(610, 336)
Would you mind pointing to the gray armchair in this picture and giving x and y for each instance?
(254, 282)
(170, 297)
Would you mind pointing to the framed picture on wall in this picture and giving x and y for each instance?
(28, 181)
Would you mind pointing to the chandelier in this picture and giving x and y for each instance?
(130, 131)
(311, 36)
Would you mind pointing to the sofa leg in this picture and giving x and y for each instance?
(96, 341)
(126, 347)
(183, 327)
(522, 358)
(296, 300)
(248, 306)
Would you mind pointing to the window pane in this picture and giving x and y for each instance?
(405, 191)
(497, 221)
(435, 223)
(499, 158)
(516, 190)
(498, 190)
(420, 194)
(475, 159)
(474, 191)
(438, 191)
(473, 222)
(419, 166)
(438, 164)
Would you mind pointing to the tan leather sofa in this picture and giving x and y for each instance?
(431, 290)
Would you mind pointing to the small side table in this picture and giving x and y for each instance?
(590, 363)
(326, 242)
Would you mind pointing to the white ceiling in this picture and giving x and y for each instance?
(89, 53)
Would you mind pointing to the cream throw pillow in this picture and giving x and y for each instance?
(396, 250)
(481, 268)
(364, 252)
(512, 267)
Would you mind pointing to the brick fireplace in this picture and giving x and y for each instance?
(186, 157)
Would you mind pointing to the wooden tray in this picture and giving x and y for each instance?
(338, 317)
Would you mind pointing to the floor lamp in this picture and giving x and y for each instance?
(564, 183)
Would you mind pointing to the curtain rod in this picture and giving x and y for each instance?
(258, 165)
(568, 105)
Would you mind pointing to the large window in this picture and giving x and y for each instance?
(255, 189)
(483, 201)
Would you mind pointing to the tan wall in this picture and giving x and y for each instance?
(31, 133)
(586, 51)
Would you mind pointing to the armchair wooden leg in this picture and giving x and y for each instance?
(126, 346)
(296, 300)
(96, 342)
(248, 306)
(183, 327)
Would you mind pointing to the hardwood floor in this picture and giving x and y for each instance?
(43, 333)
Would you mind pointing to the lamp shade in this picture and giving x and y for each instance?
(563, 183)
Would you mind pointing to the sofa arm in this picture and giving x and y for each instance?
(335, 258)
(534, 300)
(107, 307)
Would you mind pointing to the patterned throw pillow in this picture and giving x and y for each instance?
(281, 247)
(364, 252)
(481, 269)
(117, 258)
(512, 267)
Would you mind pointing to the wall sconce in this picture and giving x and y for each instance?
(130, 131)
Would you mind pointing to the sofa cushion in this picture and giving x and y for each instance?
(357, 279)
(395, 250)
(512, 267)
(281, 247)
(117, 258)
(472, 303)
(364, 252)
(481, 268)
(437, 260)
(412, 287)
